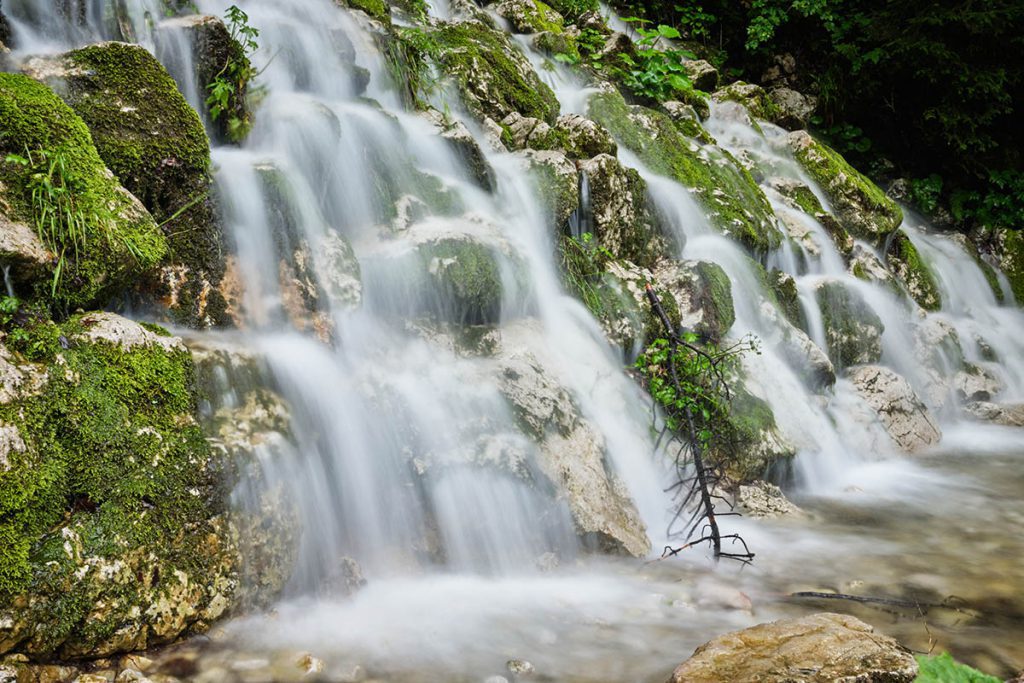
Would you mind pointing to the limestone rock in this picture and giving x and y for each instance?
(702, 293)
(977, 383)
(572, 456)
(905, 417)
(524, 132)
(21, 250)
(702, 74)
(751, 96)
(1006, 414)
(906, 263)
(818, 648)
(465, 147)
(860, 205)
(618, 205)
(584, 138)
(761, 499)
(792, 109)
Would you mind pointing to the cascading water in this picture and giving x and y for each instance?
(405, 453)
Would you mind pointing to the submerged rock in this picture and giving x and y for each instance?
(815, 649)
(154, 142)
(465, 147)
(862, 207)
(122, 239)
(905, 417)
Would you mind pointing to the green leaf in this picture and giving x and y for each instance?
(944, 669)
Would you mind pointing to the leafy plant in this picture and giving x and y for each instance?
(228, 89)
(658, 72)
(66, 216)
(944, 669)
(926, 193)
(694, 21)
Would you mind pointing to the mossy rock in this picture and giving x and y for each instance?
(906, 263)
(1010, 255)
(703, 294)
(467, 276)
(531, 16)
(557, 182)
(377, 9)
(111, 500)
(155, 144)
(122, 241)
(751, 96)
(621, 218)
(802, 197)
(749, 445)
(494, 78)
(853, 331)
(573, 10)
(734, 202)
(862, 207)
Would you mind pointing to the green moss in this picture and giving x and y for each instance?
(750, 419)
(554, 44)
(492, 76)
(944, 669)
(468, 277)
(378, 9)
(862, 207)
(736, 205)
(113, 450)
(539, 17)
(852, 329)
(155, 143)
(37, 120)
(714, 297)
(753, 97)
(907, 264)
(573, 9)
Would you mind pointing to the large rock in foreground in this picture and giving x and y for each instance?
(905, 416)
(818, 648)
(114, 529)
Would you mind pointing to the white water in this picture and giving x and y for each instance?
(396, 432)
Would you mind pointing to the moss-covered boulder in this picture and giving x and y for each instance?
(703, 294)
(585, 139)
(1008, 251)
(103, 239)
(751, 96)
(862, 207)
(155, 144)
(751, 445)
(735, 203)
(492, 76)
(617, 297)
(800, 196)
(112, 503)
(853, 331)
(621, 219)
(913, 272)
(530, 16)
(465, 147)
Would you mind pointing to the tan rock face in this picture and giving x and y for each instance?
(820, 647)
(905, 417)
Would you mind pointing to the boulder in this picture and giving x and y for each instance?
(905, 417)
(623, 308)
(761, 499)
(1006, 414)
(583, 138)
(702, 294)
(792, 109)
(121, 240)
(530, 16)
(558, 183)
(702, 74)
(977, 383)
(853, 331)
(572, 456)
(862, 207)
(22, 252)
(727, 191)
(798, 349)
(493, 77)
(818, 648)
(800, 196)
(523, 132)
(1007, 250)
(751, 96)
(618, 207)
(154, 142)
(913, 272)
(865, 265)
(117, 535)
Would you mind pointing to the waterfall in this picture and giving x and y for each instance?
(413, 446)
